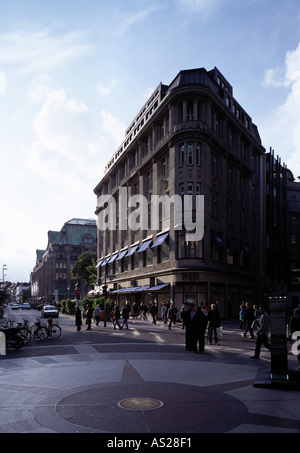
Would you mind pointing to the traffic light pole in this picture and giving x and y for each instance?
(104, 288)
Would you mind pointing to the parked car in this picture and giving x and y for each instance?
(49, 311)
(14, 306)
(25, 306)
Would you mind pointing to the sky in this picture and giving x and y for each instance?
(74, 74)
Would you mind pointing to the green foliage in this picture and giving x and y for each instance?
(97, 301)
(68, 306)
(84, 268)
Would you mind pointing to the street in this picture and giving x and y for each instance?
(79, 383)
(142, 335)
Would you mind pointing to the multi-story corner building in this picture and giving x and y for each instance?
(275, 226)
(51, 277)
(293, 241)
(191, 138)
(282, 220)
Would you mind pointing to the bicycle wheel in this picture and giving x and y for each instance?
(25, 334)
(42, 333)
(55, 331)
(34, 330)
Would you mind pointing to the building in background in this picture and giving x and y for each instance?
(282, 232)
(275, 220)
(293, 240)
(190, 138)
(51, 277)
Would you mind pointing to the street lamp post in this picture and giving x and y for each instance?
(4, 268)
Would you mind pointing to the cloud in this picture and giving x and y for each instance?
(105, 90)
(68, 143)
(128, 20)
(39, 51)
(72, 143)
(114, 128)
(204, 7)
(283, 125)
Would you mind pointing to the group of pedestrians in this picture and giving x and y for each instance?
(255, 317)
(116, 315)
(91, 314)
(258, 317)
(196, 321)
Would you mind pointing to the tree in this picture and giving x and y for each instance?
(84, 268)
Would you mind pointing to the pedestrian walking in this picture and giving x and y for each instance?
(78, 318)
(125, 315)
(164, 311)
(145, 308)
(242, 314)
(190, 337)
(135, 309)
(199, 324)
(184, 309)
(255, 324)
(154, 312)
(89, 316)
(262, 334)
(97, 314)
(116, 317)
(214, 323)
(142, 313)
(170, 315)
(248, 319)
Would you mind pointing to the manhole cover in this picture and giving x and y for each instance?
(140, 404)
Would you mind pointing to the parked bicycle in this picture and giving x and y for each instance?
(25, 331)
(22, 329)
(38, 330)
(42, 331)
(53, 330)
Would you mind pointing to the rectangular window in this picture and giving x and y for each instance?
(229, 212)
(164, 168)
(230, 256)
(243, 219)
(214, 165)
(198, 154)
(182, 155)
(190, 154)
(229, 175)
(148, 257)
(190, 111)
(214, 203)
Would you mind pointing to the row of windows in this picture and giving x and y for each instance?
(221, 252)
(293, 240)
(190, 154)
(63, 265)
(216, 208)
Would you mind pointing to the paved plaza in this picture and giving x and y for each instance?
(144, 381)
